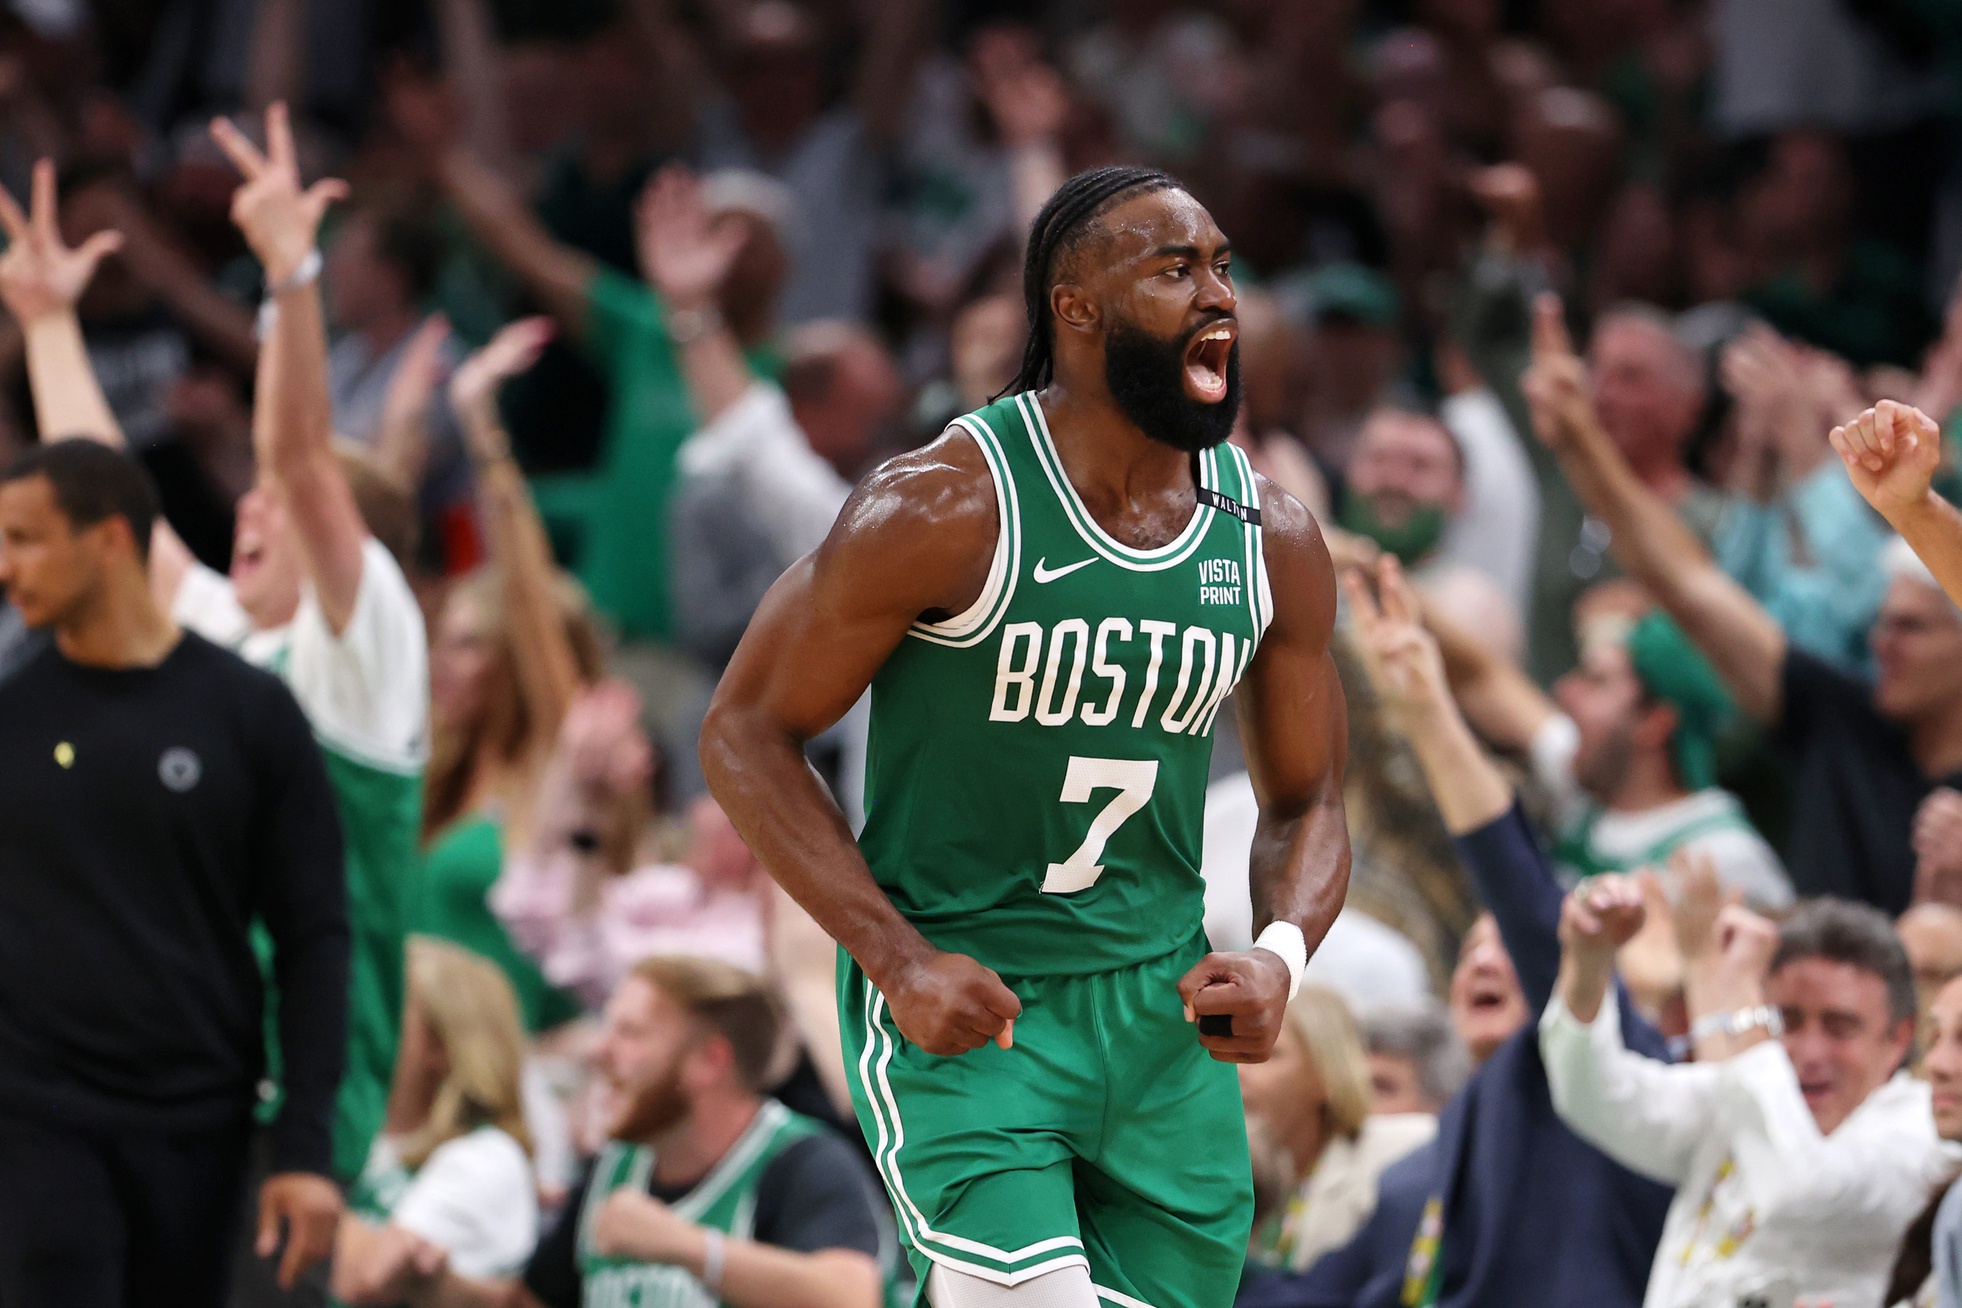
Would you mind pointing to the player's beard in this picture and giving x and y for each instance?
(654, 1108)
(1146, 376)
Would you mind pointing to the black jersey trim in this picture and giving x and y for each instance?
(1227, 504)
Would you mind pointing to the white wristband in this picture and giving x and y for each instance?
(1285, 939)
(714, 1250)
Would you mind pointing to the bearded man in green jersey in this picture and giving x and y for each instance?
(1050, 604)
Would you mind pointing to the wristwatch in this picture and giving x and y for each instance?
(1737, 1022)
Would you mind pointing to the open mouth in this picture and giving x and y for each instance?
(1206, 359)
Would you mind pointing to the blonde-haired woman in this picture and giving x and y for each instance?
(451, 1174)
(511, 649)
(1312, 1097)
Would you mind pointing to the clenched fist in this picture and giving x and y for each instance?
(1601, 915)
(949, 1004)
(1251, 989)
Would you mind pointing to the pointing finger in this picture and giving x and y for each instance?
(238, 148)
(1550, 337)
(42, 198)
(279, 137)
(11, 216)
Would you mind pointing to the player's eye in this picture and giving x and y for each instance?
(1178, 270)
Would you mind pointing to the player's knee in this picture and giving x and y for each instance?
(1066, 1287)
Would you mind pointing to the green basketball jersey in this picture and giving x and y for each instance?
(724, 1201)
(1037, 767)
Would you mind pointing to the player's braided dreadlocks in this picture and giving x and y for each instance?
(1057, 229)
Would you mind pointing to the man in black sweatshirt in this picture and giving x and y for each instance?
(157, 794)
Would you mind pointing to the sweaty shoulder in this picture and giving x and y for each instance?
(1298, 567)
(921, 528)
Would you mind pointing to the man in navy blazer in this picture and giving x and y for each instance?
(1507, 1208)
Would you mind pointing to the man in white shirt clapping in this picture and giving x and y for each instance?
(1801, 1158)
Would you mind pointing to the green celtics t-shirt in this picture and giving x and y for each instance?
(1037, 766)
(615, 513)
(366, 694)
(787, 1181)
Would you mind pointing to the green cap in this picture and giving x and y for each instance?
(1349, 290)
(1675, 672)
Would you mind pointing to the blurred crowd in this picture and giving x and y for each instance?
(1547, 308)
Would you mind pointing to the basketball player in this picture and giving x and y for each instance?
(1049, 603)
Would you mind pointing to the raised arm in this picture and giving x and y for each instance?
(895, 34)
(496, 215)
(548, 671)
(40, 281)
(1892, 453)
(1497, 697)
(916, 536)
(686, 253)
(1744, 643)
(1645, 1114)
(468, 36)
(1294, 724)
(293, 416)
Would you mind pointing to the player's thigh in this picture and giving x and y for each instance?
(1166, 1202)
(182, 1194)
(61, 1225)
(975, 1150)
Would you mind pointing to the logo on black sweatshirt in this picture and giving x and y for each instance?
(179, 769)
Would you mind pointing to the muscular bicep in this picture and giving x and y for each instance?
(914, 540)
(1293, 722)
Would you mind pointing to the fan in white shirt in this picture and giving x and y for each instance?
(450, 1179)
(1800, 1160)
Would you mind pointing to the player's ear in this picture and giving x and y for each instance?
(1073, 307)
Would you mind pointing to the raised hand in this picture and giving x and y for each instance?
(685, 251)
(605, 746)
(40, 276)
(1746, 942)
(1600, 916)
(1699, 901)
(1891, 452)
(403, 445)
(1399, 656)
(1556, 382)
(279, 217)
(1511, 194)
(1027, 99)
(950, 1004)
(475, 383)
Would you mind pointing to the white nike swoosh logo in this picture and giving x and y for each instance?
(1043, 575)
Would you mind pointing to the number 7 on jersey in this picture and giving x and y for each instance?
(1133, 780)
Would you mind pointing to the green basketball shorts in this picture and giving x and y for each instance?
(1107, 1138)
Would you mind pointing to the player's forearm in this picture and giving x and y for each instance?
(757, 771)
(1299, 868)
(68, 400)
(1933, 527)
